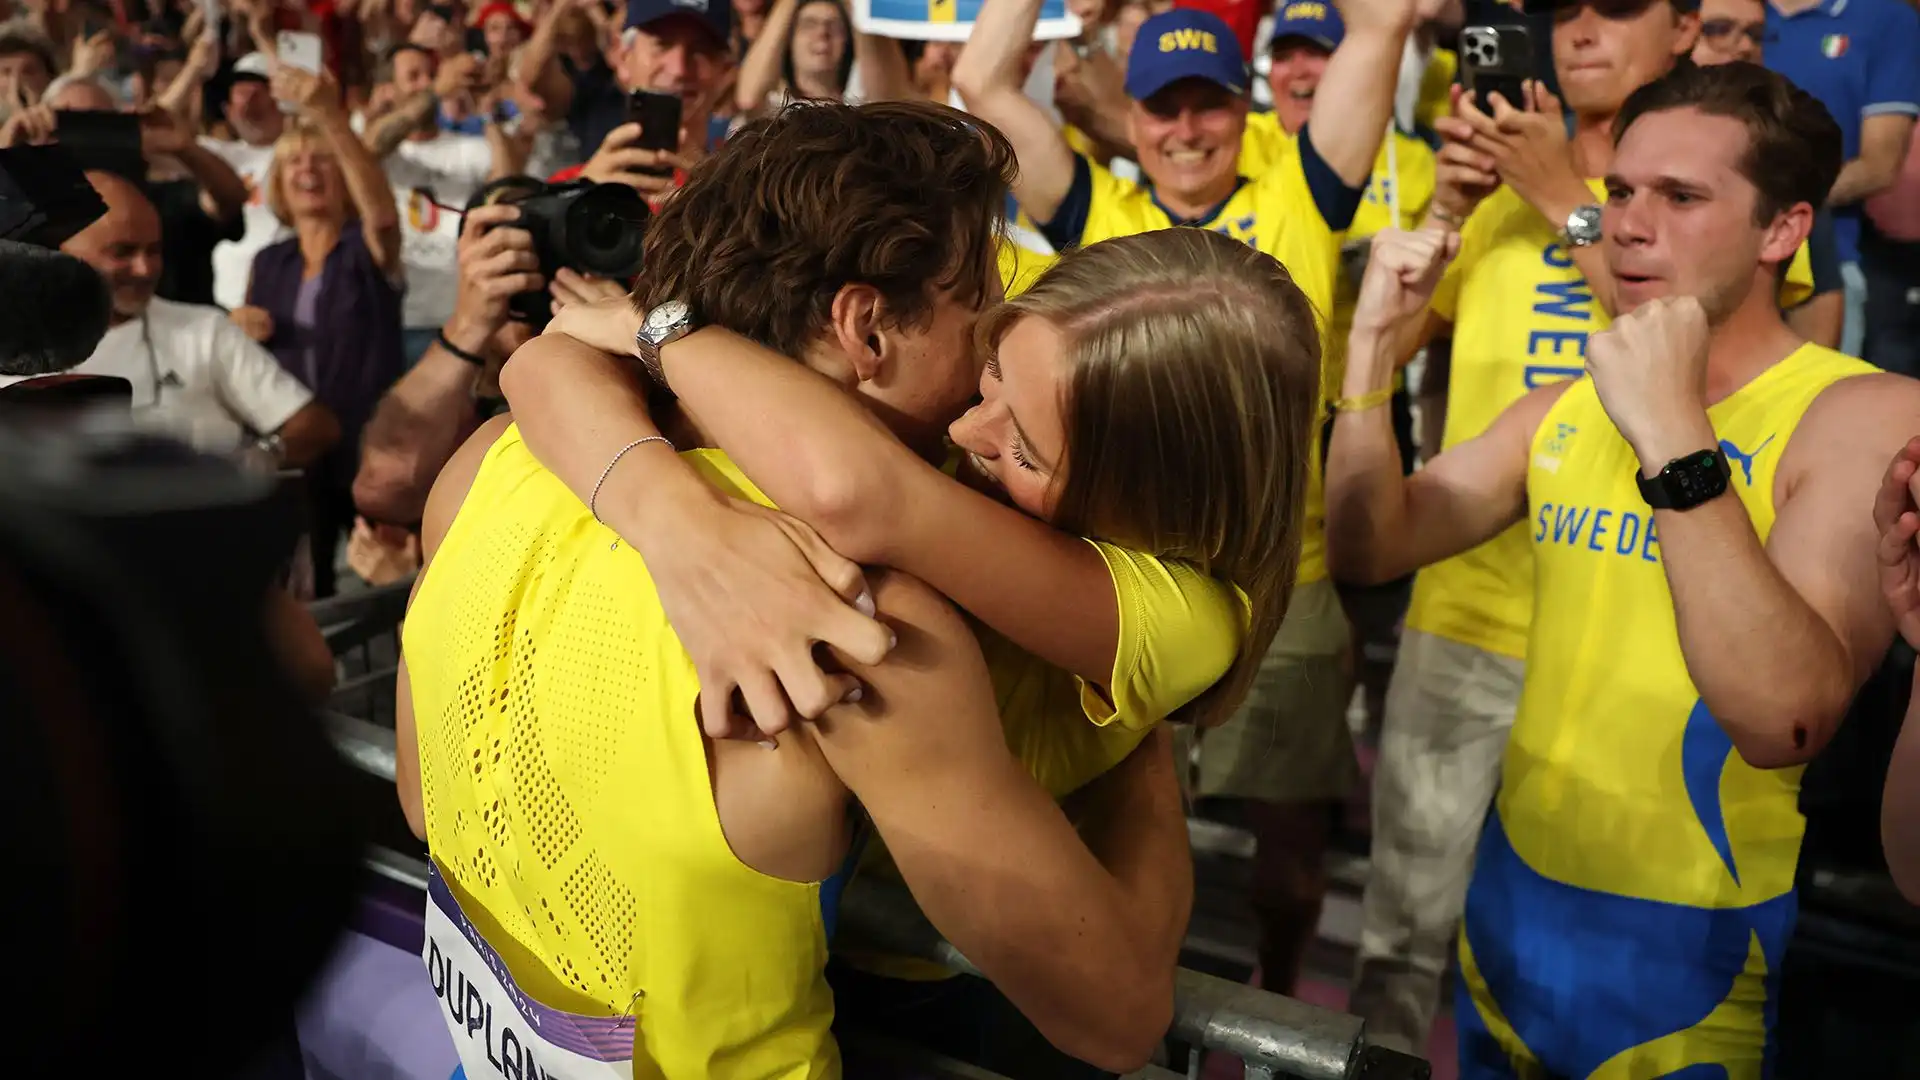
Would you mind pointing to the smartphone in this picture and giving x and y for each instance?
(659, 118)
(1496, 60)
(299, 50)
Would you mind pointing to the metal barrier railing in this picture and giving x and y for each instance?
(1274, 1036)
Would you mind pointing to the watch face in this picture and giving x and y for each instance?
(666, 315)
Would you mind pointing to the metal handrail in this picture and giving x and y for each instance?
(1274, 1035)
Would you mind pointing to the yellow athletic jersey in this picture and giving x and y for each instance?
(1019, 267)
(568, 798)
(1274, 212)
(1521, 316)
(1436, 88)
(1633, 892)
(1179, 633)
(1410, 170)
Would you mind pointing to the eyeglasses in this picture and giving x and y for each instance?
(1721, 29)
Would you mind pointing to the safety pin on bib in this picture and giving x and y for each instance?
(627, 1018)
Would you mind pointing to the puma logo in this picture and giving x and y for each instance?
(1742, 458)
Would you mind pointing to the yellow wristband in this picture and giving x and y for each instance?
(1372, 399)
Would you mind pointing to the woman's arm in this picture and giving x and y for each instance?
(760, 68)
(749, 590)
(366, 184)
(822, 457)
(885, 74)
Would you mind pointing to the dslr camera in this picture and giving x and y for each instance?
(586, 227)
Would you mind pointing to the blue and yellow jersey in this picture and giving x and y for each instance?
(1634, 887)
(1521, 315)
(568, 800)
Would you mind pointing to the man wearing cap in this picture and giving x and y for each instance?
(677, 47)
(257, 122)
(1527, 289)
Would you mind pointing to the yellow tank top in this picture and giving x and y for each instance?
(1521, 315)
(568, 798)
(1617, 778)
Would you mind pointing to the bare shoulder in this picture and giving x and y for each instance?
(1522, 418)
(1864, 418)
(455, 479)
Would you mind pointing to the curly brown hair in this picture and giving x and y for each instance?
(906, 197)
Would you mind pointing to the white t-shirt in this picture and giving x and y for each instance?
(233, 259)
(432, 180)
(203, 380)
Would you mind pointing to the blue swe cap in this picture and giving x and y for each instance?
(1184, 44)
(716, 14)
(1314, 20)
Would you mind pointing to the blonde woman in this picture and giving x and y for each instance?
(326, 302)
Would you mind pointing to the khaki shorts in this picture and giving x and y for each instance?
(1290, 741)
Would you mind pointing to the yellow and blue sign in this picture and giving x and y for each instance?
(950, 20)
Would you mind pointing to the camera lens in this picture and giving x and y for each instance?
(604, 230)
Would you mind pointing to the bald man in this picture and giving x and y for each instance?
(200, 197)
(192, 370)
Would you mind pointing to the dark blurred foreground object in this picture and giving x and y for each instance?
(179, 850)
(44, 196)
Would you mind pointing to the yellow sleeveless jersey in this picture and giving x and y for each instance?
(1408, 169)
(1521, 315)
(568, 798)
(1633, 891)
(1179, 633)
(1436, 88)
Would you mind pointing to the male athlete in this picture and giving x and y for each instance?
(1527, 288)
(1704, 603)
(616, 891)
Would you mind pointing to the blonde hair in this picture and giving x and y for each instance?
(1192, 394)
(298, 135)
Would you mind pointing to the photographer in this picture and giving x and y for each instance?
(425, 416)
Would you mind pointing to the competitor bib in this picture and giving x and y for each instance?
(499, 1030)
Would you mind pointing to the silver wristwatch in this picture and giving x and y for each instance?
(1583, 227)
(663, 326)
(273, 446)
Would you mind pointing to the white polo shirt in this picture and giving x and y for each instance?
(196, 376)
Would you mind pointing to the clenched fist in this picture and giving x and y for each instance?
(1402, 271)
(1650, 369)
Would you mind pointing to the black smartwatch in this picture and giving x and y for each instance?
(1686, 482)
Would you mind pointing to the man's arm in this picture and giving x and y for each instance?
(1883, 148)
(418, 424)
(990, 858)
(254, 387)
(1778, 638)
(1134, 821)
(1382, 524)
(385, 135)
(223, 193)
(1354, 101)
(989, 79)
